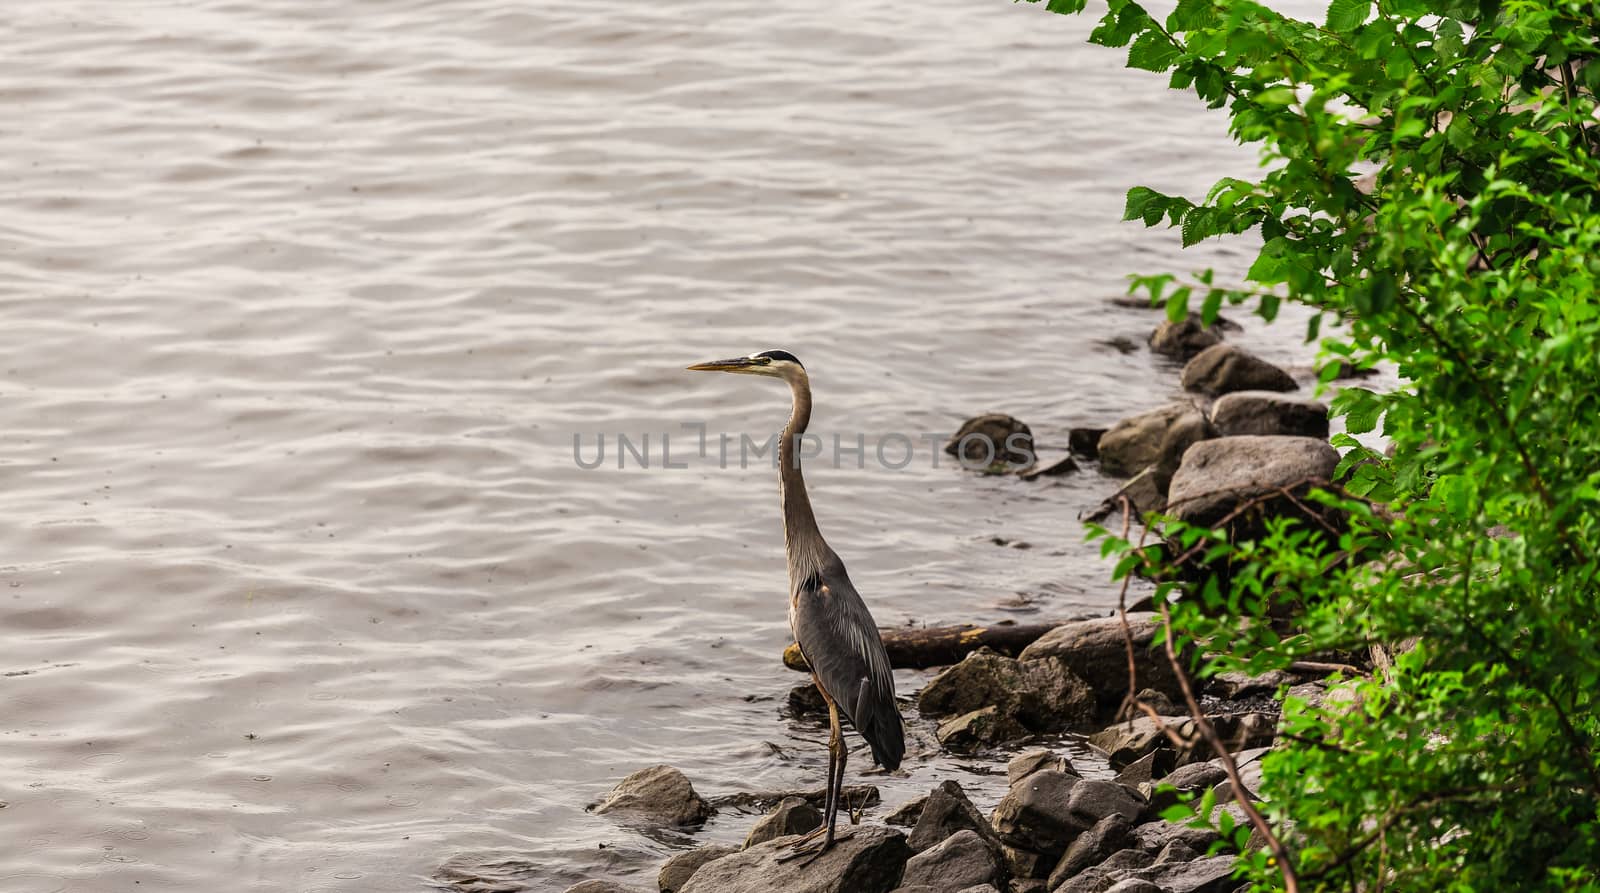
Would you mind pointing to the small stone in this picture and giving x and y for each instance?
(1063, 465)
(793, 816)
(1128, 741)
(973, 731)
(1139, 771)
(1085, 442)
(1224, 368)
(659, 794)
(992, 442)
(681, 867)
(1153, 837)
(959, 861)
(1183, 339)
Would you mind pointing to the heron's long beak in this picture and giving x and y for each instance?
(738, 364)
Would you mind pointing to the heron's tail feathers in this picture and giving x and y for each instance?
(877, 718)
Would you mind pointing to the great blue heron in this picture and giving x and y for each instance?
(829, 620)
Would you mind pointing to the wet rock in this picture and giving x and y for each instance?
(869, 860)
(1269, 412)
(979, 888)
(1158, 701)
(1028, 762)
(1242, 685)
(1176, 851)
(1212, 874)
(959, 861)
(659, 795)
(1127, 741)
(857, 795)
(793, 816)
(1063, 465)
(1085, 442)
(676, 873)
(1096, 652)
(1096, 798)
(806, 700)
(978, 729)
(1107, 836)
(1153, 837)
(1024, 864)
(906, 814)
(1187, 431)
(1183, 339)
(1136, 442)
(947, 812)
(1217, 476)
(1043, 694)
(604, 887)
(1036, 815)
(1223, 369)
(1196, 776)
(992, 442)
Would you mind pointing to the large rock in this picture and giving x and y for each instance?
(1218, 476)
(1155, 836)
(1036, 815)
(1139, 441)
(870, 860)
(947, 811)
(1122, 865)
(1042, 694)
(1092, 847)
(793, 816)
(602, 887)
(1096, 652)
(992, 442)
(1207, 875)
(959, 861)
(979, 729)
(1127, 741)
(676, 873)
(1269, 412)
(659, 795)
(1187, 337)
(1223, 369)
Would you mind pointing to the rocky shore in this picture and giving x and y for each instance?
(1240, 447)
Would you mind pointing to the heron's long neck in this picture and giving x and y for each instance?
(802, 541)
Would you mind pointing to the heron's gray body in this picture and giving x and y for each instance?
(840, 642)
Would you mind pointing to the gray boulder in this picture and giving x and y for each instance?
(980, 728)
(658, 795)
(1217, 476)
(906, 814)
(1035, 815)
(869, 860)
(676, 873)
(1139, 441)
(1120, 866)
(1134, 885)
(602, 887)
(1096, 652)
(1269, 412)
(959, 861)
(1223, 369)
(793, 816)
(1043, 694)
(1145, 493)
(1183, 339)
(1127, 742)
(1107, 836)
(947, 812)
(992, 442)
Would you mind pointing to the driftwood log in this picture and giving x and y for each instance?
(938, 646)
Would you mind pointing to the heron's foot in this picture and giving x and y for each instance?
(815, 844)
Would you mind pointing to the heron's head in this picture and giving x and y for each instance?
(771, 363)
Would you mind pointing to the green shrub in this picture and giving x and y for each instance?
(1470, 260)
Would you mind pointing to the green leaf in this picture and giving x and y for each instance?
(1347, 15)
(1152, 52)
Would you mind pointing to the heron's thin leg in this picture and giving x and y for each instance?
(838, 781)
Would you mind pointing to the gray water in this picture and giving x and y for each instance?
(302, 305)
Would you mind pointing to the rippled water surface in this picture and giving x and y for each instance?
(303, 303)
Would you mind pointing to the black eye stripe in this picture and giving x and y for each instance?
(769, 355)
